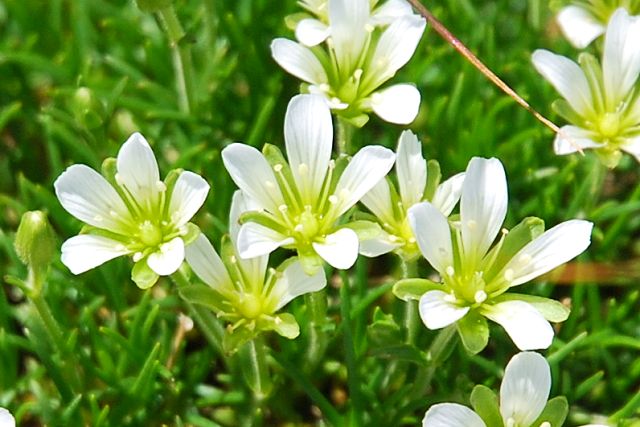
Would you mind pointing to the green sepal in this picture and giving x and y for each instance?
(552, 310)
(555, 412)
(310, 262)
(413, 289)
(263, 218)
(518, 237)
(566, 111)
(90, 229)
(364, 216)
(234, 338)
(230, 259)
(291, 21)
(203, 295)
(384, 331)
(593, 72)
(193, 231)
(284, 324)
(109, 169)
(486, 404)
(357, 120)
(366, 230)
(170, 183)
(433, 180)
(396, 203)
(284, 178)
(474, 332)
(143, 276)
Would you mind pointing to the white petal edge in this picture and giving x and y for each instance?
(253, 175)
(621, 56)
(448, 194)
(370, 165)
(437, 312)
(483, 206)
(397, 104)
(340, 249)
(189, 193)
(528, 329)
(389, 11)
(451, 415)
(579, 26)
(378, 246)
(311, 32)
(206, 263)
(168, 258)
(6, 419)
(411, 169)
(348, 20)
(254, 268)
(256, 240)
(567, 77)
(554, 247)
(632, 146)
(571, 139)
(433, 235)
(138, 171)
(87, 195)
(378, 201)
(298, 61)
(84, 252)
(295, 282)
(525, 388)
(308, 135)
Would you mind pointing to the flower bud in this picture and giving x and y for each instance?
(87, 108)
(35, 242)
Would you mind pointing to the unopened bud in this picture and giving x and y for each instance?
(35, 242)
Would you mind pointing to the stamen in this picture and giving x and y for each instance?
(118, 179)
(277, 168)
(283, 208)
(299, 228)
(480, 296)
(137, 256)
(450, 298)
(161, 186)
(369, 28)
(449, 271)
(233, 259)
(545, 424)
(120, 247)
(524, 259)
(508, 275)
(358, 73)
(333, 199)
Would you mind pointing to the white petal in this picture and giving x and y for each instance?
(253, 174)
(567, 77)
(256, 240)
(579, 26)
(389, 11)
(295, 282)
(395, 47)
(84, 252)
(85, 194)
(397, 104)
(311, 32)
(206, 263)
(298, 60)
(621, 56)
(256, 267)
(433, 235)
(378, 201)
(168, 259)
(525, 388)
(363, 172)
(483, 206)
(448, 194)
(188, 195)
(528, 329)
(308, 135)
(437, 312)
(570, 139)
(339, 249)
(378, 246)
(6, 419)
(348, 20)
(411, 169)
(556, 246)
(632, 146)
(138, 172)
(451, 415)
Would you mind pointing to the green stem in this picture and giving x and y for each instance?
(256, 375)
(344, 136)
(207, 322)
(411, 318)
(439, 353)
(353, 379)
(316, 304)
(182, 61)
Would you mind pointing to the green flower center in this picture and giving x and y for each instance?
(609, 125)
(150, 234)
(250, 306)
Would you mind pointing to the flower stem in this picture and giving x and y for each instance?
(316, 303)
(182, 61)
(253, 355)
(411, 318)
(343, 136)
(439, 352)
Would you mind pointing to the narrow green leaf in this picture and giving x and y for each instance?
(413, 289)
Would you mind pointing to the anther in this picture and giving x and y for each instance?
(160, 186)
(449, 271)
(277, 168)
(480, 296)
(333, 199)
(508, 275)
(283, 208)
(137, 256)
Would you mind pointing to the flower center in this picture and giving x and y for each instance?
(609, 125)
(250, 306)
(307, 227)
(150, 234)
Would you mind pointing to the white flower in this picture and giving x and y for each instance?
(131, 213)
(600, 102)
(365, 48)
(246, 293)
(6, 419)
(300, 201)
(475, 276)
(584, 21)
(523, 395)
(391, 210)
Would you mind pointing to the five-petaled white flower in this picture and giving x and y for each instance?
(246, 294)
(130, 212)
(600, 102)
(585, 20)
(390, 205)
(302, 200)
(366, 46)
(6, 419)
(523, 396)
(476, 276)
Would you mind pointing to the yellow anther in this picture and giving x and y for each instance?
(277, 168)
